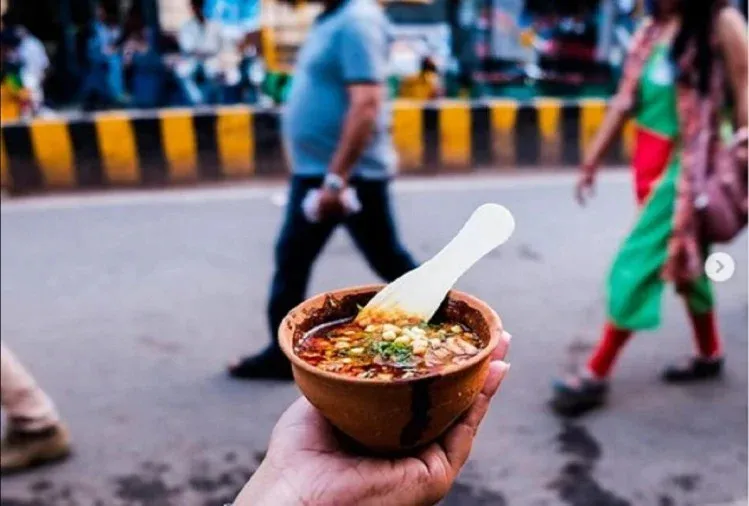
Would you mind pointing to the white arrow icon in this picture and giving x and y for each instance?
(720, 267)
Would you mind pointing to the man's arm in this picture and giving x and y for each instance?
(365, 101)
(362, 46)
(363, 52)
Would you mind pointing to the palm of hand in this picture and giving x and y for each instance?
(315, 465)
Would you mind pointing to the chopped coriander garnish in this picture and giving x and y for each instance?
(398, 352)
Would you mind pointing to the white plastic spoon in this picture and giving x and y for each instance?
(419, 292)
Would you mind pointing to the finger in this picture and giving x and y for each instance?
(503, 347)
(580, 195)
(459, 439)
(477, 411)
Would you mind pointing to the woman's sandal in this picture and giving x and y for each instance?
(578, 395)
(695, 369)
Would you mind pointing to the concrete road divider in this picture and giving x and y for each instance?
(179, 146)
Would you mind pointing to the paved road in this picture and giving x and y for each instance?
(127, 308)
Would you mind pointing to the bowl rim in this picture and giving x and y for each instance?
(286, 338)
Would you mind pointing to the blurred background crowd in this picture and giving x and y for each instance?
(66, 56)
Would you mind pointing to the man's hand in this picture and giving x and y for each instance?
(330, 204)
(306, 464)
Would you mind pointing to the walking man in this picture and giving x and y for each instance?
(336, 131)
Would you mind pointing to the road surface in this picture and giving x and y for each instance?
(127, 307)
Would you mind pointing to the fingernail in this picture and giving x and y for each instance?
(507, 337)
(504, 368)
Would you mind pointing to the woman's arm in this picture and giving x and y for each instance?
(612, 124)
(733, 40)
(617, 114)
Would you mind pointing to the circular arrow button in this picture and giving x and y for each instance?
(720, 267)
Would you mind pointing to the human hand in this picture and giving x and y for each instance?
(330, 205)
(585, 186)
(306, 463)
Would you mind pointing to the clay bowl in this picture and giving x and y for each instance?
(390, 416)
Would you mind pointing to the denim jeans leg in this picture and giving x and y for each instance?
(297, 247)
(115, 78)
(190, 90)
(374, 231)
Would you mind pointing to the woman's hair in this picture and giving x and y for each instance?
(697, 25)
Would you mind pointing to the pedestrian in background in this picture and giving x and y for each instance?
(142, 62)
(30, 56)
(103, 84)
(677, 64)
(200, 44)
(336, 130)
(15, 99)
(35, 434)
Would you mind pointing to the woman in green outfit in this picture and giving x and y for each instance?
(676, 63)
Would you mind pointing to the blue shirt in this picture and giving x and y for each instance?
(345, 46)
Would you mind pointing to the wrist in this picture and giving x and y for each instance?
(589, 166)
(334, 182)
(266, 488)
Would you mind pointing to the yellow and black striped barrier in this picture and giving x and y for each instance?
(185, 146)
(460, 135)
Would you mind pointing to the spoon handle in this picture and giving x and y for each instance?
(488, 227)
(421, 291)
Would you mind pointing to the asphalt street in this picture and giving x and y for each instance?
(127, 307)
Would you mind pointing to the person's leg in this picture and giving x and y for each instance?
(35, 434)
(186, 74)
(26, 405)
(94, 92)
(211, 82)
(602, 360)
(190, 90)
(700, 306)
(374, 232)
(297, 247)
(146, 89)
(707, 361)
(115, 79)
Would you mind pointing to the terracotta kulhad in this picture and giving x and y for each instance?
(390, 416)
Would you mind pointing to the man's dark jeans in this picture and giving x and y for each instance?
(300, 242)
